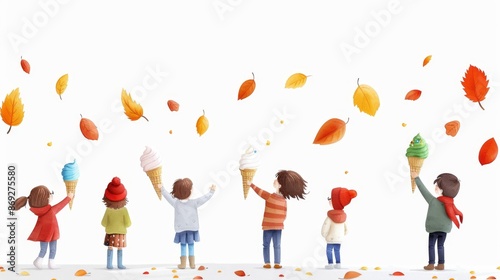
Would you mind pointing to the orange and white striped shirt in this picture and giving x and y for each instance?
(275, 210)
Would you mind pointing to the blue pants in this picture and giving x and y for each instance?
(336, 248)
(275, 235)
(440, 237)
(43, 249)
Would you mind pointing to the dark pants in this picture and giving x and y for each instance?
(275, 235)
(440, 237)
(336, 249)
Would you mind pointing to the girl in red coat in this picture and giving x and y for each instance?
(46, 230)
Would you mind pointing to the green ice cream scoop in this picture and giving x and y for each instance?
(418, 147)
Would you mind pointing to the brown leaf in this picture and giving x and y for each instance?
(413, 94)
(331, 131)
(452, 128)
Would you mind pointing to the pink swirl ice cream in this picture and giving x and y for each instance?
(150, 159)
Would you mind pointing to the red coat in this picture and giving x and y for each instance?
(46, 228)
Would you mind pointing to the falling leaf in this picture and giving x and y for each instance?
(219, 271)
(488, 152)
(473, 277)
(351, 274)
(61, 85)
(173, 106)
(24, 273)
(366, 98)
(88, 129)
(475, 85)
(247, 88)
(472, 272)
(174, 270)
(413, 94)
(49, 144)
(398, 273)
(268, 143)
(133, 110)
(170, 131)
(434, 277)
(345, 172)
(25, 65)
(403, 124)
(12, 109)
(202, 124)
(426, 60)
(331, 131)
(240, 273)
(491, 277)
(81, 272)
(296, 80)
(282, 121)
(452, 128)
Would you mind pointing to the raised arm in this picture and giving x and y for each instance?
(423, 190)
(167, 196)
(202, 199)
(260, 192)
(59, 206)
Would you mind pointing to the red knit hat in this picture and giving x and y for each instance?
(115, 190)
(341, 197)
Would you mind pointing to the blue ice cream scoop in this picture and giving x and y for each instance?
(70, 171)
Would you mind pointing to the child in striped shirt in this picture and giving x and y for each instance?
(288, 184)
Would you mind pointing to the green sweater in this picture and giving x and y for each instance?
(116, 220)
(437, 219)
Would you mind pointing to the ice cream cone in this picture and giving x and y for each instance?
(155, 177)
(415, 166)
(247, 175)
(71, 187)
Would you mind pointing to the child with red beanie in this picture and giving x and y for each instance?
(115, 220)
(334, 228)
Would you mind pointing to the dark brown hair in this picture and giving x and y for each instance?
(292, 184)
(182, 188)
(39, 197)
(449, 183)
(114, 204)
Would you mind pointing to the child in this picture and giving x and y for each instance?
(440, 214)
(287, 184)
(115, 221)
(186, 216)
(46, 229)
(334, 228)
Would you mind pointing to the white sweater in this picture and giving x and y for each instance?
(333, 232)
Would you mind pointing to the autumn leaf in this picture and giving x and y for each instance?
(452, 128)
(413, 94)
(426, 60)
(296, 80)
(475, 85)
(61, 85)
(173, 106)
(133, 110)
(351, 275)
(202, 124)
(488, 152)
(366, 98)
(88, 129)
(25, 65)
(240, 273)
(12, 109)
(247, 88)
(331, 131)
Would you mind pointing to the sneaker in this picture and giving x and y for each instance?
(277, 266)
(429, 266)
(440, 266)
(38, 262)
(337, 265)
(329, 266)
(267, 265)
(52, 264)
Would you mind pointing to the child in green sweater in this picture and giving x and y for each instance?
(115, 220)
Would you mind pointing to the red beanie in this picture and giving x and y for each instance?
(115, 190)
(341, 197)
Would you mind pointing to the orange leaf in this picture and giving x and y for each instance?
(197, 277)
(202, 267)
(81, 272)
(88, 129)
(12, 109)
(25, 65)
(351, 274)
(398, 273)
(426, 60)
(246, 88)
(452, 128)
(173, 106)
(475, 85)
(488, 152)
(413, 94)
(240, 273)
(133, 110)
(330, 132)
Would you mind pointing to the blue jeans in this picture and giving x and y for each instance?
(336, 248)
(43, 249)
(440, 237)
(275, 235)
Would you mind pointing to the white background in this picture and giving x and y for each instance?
(201, 55)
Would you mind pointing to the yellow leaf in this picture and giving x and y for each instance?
(366, 98)
(133, 110)
(202, 124)
(61, 85)
(12, 109)
(296, 80)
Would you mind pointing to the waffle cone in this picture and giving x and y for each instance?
(71, 187)
(155, 177)
(247, 175)
(415, 166)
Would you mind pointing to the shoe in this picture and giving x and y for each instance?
(337, 265)
(329, 266)
(38, 262)
(52, 264)
(182, 265)
(440, 266)
(429, 266)
(267, 265)
(277, 266)
(191, 262)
